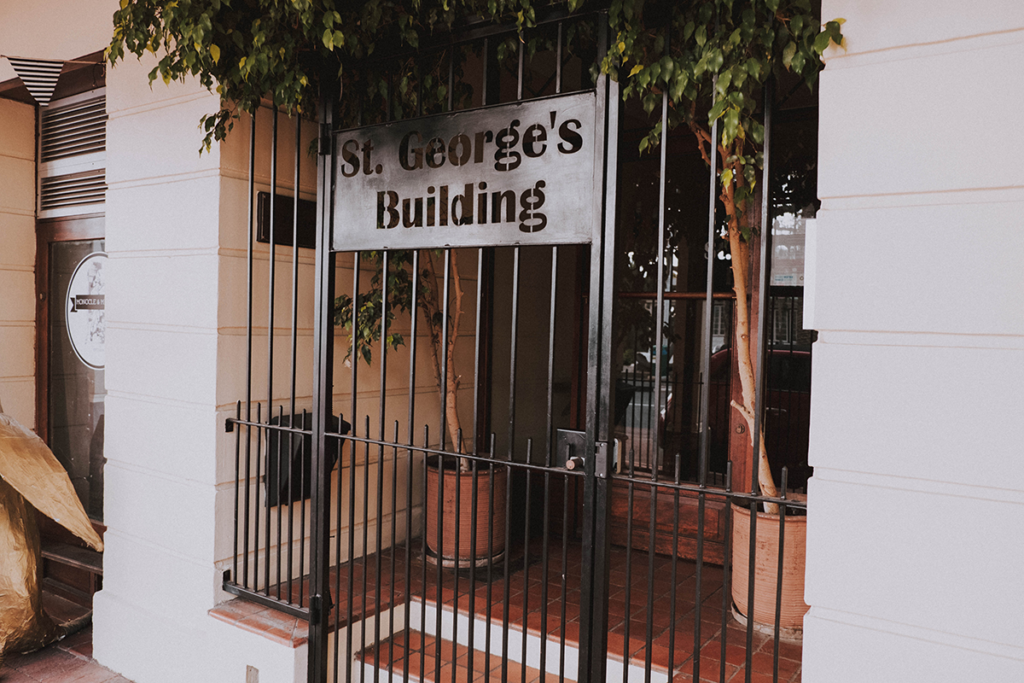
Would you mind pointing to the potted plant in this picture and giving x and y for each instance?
(453, 484)
(714, 60)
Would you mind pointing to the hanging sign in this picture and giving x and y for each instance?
(85, 311)
(506, 175)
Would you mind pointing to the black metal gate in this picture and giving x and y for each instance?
(492, 490)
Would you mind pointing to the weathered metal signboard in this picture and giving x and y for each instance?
(515, 174)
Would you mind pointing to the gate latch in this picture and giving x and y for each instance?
(571, 452)
(570, 448)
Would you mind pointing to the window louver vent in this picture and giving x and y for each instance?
(75, 129)
(88, 187)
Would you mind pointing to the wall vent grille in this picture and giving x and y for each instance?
(73, 189)
(75, 129)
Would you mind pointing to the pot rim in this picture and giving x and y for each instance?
(796, 497)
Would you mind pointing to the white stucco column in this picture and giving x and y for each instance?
(916, 523)
(173, 364)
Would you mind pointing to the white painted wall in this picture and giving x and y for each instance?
(915, 552)
(169, 249)
(18, 260)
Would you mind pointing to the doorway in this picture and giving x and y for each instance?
(71, 390)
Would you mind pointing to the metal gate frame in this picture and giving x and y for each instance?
(597, 474)
(595, 541)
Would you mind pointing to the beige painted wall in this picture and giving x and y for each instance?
(17, 260)
(31, 29)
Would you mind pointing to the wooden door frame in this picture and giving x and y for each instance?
(48, 231)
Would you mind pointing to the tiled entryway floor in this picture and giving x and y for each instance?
(66, 661)
(652, 606)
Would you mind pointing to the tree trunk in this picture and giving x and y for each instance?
(436, 319)
(740, 251)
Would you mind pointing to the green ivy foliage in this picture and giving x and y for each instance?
(711, 59)
(248, 50)
(697, 51)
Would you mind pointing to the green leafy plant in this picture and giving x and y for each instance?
(374, 316)
(708, 59)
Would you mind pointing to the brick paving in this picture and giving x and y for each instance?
(67, 661)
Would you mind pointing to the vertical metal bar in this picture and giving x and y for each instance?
(354, 355)
(385, 267)
(451, 77)
(726, 573)
(440, 531)
(423, 599)
(366, 540)
(414, 318)
(248, 348)
(490, 554)
(477, 342)
(337, 565)
(565, 572)
(444, 429)
(280, 503)
(458, 549)
(394, 556)
(778, 577)
(526, 557)
(323, 371)
(659, 317)
(444, 349)
(652, 532)
(238, 442)
(271, 275)
(508, 545)
(513, 348)
(485, 65)
(519, 71)
(629, 574)
(548, 450)
(256, 511)
(294, 347)
(302, 508)
(558, 60)
(751, 563)
(597, 486)
(675, 563)
(474, 500)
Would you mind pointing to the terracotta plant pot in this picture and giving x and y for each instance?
(490, 516)
(766, 569)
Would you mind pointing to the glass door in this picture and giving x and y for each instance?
(72, 353)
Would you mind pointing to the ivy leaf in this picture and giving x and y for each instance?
(636, 69)
(787, 55)
(215, 53)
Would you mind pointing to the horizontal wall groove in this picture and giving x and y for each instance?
(922, 339)
(918, 633)
(115, 184)
(947, 489)
(835, 58)
(159, 105)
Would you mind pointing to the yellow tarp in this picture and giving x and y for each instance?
(30, 476)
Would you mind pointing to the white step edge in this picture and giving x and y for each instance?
(553, 663)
